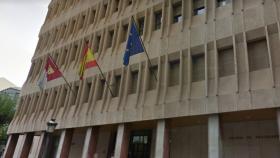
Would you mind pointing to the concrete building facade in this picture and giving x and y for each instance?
(217, 92)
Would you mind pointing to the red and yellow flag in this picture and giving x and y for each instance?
(88, 60)
(52, 71)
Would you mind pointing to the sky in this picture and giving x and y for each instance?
(20, 23)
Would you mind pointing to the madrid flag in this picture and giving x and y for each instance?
(52, 71)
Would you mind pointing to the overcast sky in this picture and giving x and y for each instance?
(20, 23)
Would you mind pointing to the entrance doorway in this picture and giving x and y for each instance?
(140, 144)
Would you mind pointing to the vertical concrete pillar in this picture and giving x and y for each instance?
(64, 144)
(90, 144)
(25, 148)
(121, 149)
(162, 140)
(214, 138)
(11, 145)
(278, 121)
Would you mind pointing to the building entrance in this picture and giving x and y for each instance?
(140, 144)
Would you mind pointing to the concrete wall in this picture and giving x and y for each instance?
(235, 25)
(190, 141)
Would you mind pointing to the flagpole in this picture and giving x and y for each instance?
(68, 84)
(105, 79)
(150, 63)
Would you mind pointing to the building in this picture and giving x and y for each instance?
(8, 88)
(12, 92)
(217, 92)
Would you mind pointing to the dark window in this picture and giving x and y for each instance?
(129, 2)
(177, 12)
(87, 91)
(198, 66)
(82, 22)
(117, 2)
(72, 26)
(73, 54)
(93, 12)
(152, 77)
(134, 79)
(110, 39)
(158, 16)
(63, 32)
(198, 7)
(105, 6)
(75, 95)
(101, 89)
(116, 85)
(124, 35)
(98, 41)
(141, 23)
(226, 62)
(140, 144)
(174, 72)
(258, 55)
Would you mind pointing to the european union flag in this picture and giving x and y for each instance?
(134, 45)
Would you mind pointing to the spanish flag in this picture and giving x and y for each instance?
(88, 60)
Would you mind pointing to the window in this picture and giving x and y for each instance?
(258, 55)
(174, 72)
(72, 26)
(198, 7)
(101, 89)
(87, 91)
(140, 144)
(152, 80)
(124, 34)
(158, 16)
(110, 38)
(134, 79)
(116, 85)
(74, 98)
(105, 6)
(73, 54)
(177, 12)
(226, 62)
(82, 22)
(92, 16)
(117, 2)
(141, 23)
(98, 41)
(129, 2)
(198, 68)
(63, 31)
(64, 53)
(221, 3)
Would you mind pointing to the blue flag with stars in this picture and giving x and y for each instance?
(134, 45)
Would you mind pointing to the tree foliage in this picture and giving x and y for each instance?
(7, 110)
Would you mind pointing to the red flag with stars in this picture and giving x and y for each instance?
(52, 70)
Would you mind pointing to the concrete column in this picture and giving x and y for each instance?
(162, 140)
(26, 145)
(90, 144)
(64, 144)
(11, 145)
(40, 146)
(214, 138)
(278, 121)
(121, 149)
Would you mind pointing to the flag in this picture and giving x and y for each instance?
(42, 80)
(134, 44)
(88, 60)
(51, 69)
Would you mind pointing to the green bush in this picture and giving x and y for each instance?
(7, 110)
